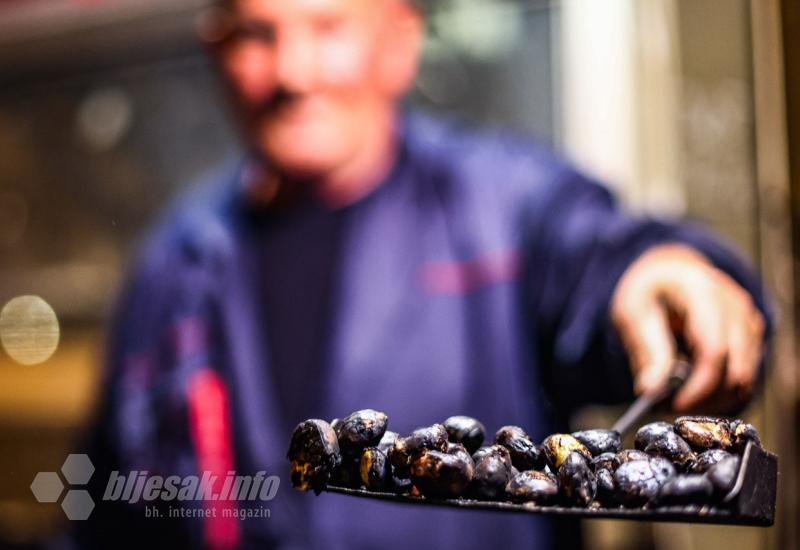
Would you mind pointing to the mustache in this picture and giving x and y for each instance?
(279, 99)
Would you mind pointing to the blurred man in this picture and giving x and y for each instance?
(362, 255)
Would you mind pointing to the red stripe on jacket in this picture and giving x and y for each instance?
(210, 424)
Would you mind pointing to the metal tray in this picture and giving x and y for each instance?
(750, 502)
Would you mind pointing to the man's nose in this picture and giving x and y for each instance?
(295, 64)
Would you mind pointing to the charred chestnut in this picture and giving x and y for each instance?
(491, 474)
(405, 448)
(525, 454)
(705, 432)
(639, 481)
(459, 450)
(628, 455)
(387, 441)
(742, 433)
(650, 432)
(606, 488)
(374, 469)
(465, 430)
(605, 461)
(431, 437)
(497, 450)
(672, 446)
(686, 489)
(558, 447)
(707, 459)
(348, 474)
(359, 430)
(663, 469)
(722, 475)
(576, 480)
(441, 474)
(314, 453)
(401, 485)
(533, 486)
(599, 441)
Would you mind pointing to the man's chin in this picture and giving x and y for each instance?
(301, 164)
(300, 156)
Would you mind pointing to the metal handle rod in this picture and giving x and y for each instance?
(646, 402)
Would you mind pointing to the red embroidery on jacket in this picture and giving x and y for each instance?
(209, 418)
(461, 277)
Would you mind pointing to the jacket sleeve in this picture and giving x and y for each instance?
(158, 343)
(579, 243)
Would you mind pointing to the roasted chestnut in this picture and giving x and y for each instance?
(599, 441)
(627, 455)
(525, 454)
(465, 430)
(431, 437)
(722, 475)
(375, 470)
(605, 461)
(459, 450)
(708, 458)
(498, 450)
(686, 489)
(491, 474)
(533, 486)
(402, 485)
(557, 448)
(387, 440)
(576, 480)
(639, 481)
(742, 433)
(441, 474)
(705, 432)
(672, 446)
(348, 473)
(606, 488)
(405, 448)
(663, 469)
(359, 430)
(650, 432)
(314, 453)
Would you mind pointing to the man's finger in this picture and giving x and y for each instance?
(650, 346)
(706, 376)
(744, 353)
(706, 336)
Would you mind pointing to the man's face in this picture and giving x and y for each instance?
(311, 76)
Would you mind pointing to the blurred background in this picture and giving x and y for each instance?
(109, 107)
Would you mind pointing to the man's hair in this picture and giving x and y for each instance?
(423, 6)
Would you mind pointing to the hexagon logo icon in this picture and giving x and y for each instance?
(77, 505)
(77, 469)
(47, 487)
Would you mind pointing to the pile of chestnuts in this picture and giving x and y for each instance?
(694, 460)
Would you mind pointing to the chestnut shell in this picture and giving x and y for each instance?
(599, 441)
(533, 486)
(465, 430)
(314, 453)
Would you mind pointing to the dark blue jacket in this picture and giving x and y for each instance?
(477, 275)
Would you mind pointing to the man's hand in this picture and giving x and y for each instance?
(673, 290)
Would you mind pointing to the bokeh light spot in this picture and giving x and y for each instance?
(104, 118)
(29, 330)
